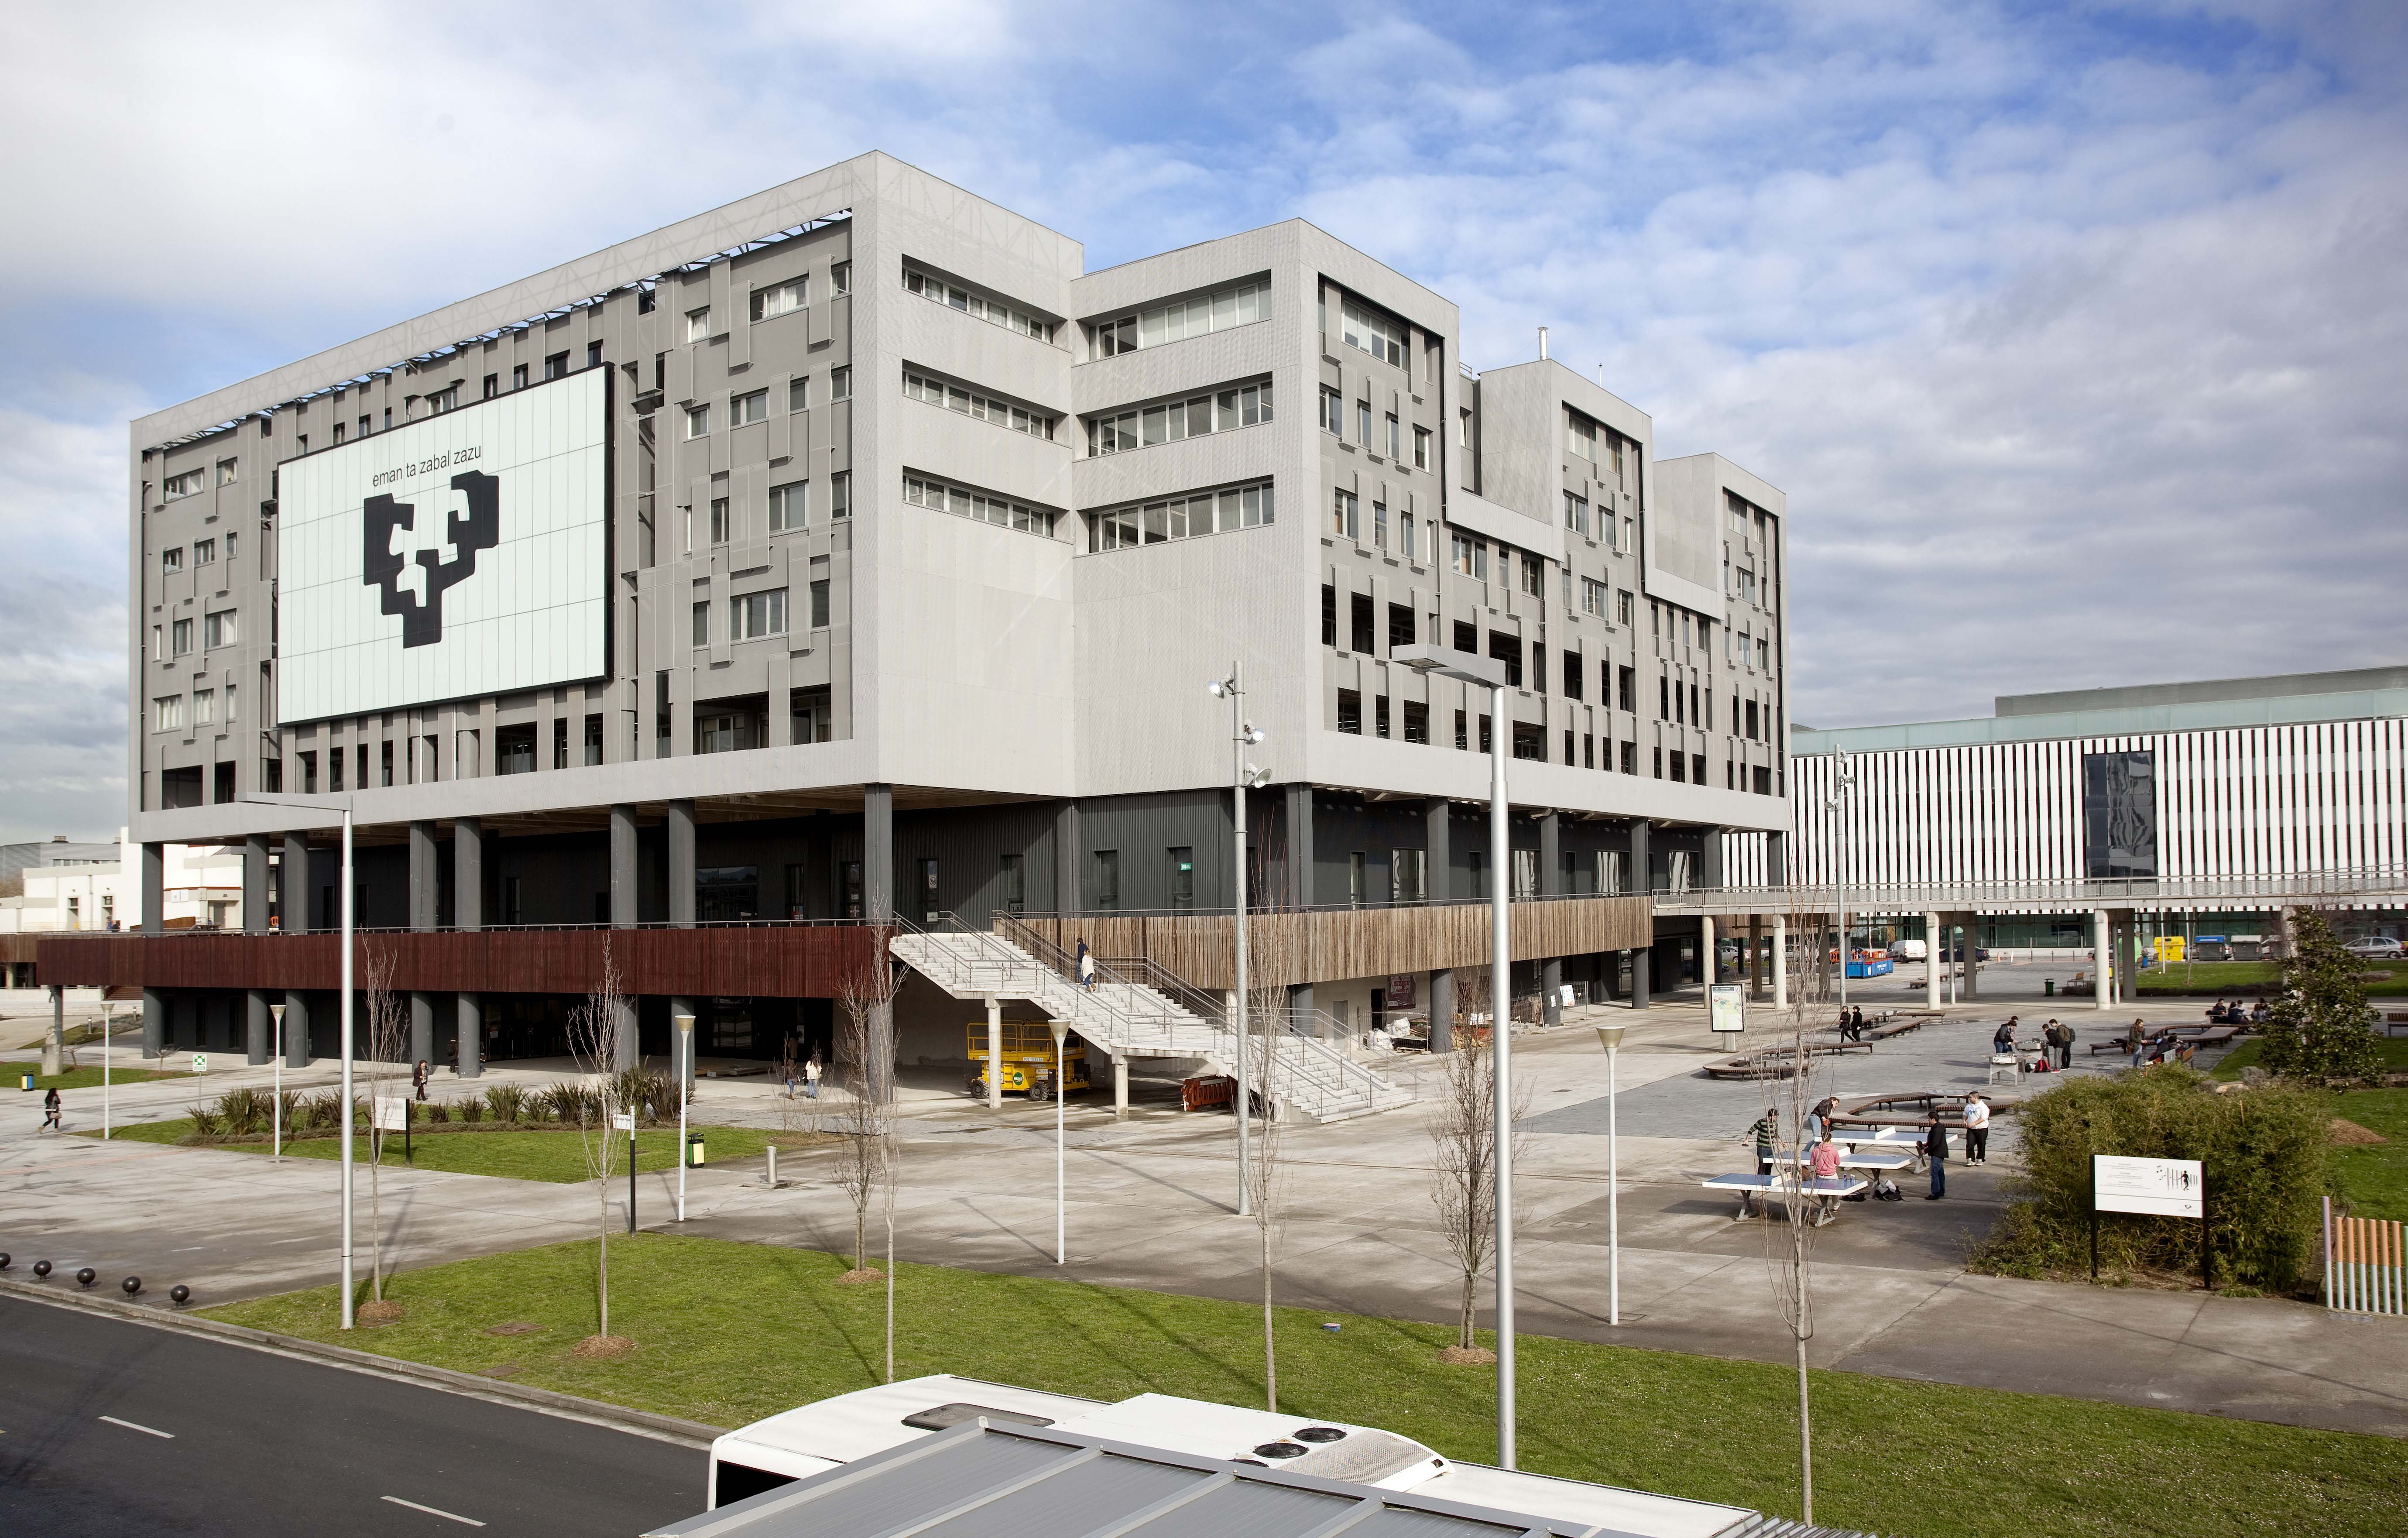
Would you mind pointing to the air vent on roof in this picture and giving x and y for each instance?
(1321, 1434)
(1282, 1449)
(942, 1416)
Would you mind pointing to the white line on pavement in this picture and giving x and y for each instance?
(433, 1511)
(145, 1431)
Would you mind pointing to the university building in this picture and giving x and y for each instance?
(853, 551)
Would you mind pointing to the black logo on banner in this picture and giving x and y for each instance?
(380, 565)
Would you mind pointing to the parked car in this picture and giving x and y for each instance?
(1957, 953)
(2375, 948)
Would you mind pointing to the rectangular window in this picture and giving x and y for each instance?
(1534, 576)
(1380, 525)
(1180, 518)
(225, 472)
(1108, 880)
(1395, 441)
(1381, 335)
(1581, 434)
(518, 381)
(1462, 731)
(1400, 625)
(755, 616)
(978, 506)
(1360, 629)
(813, 716)
(1363, 422)
(167, 714)
(702, 623)
(1592, 597)
(1697, 769)
(1576, 513)
(748, 408)
(720, 521)
(555, 366)
(840, 278)
(697, 324)
(697, 422)
(1421, 448)
(849, 878)
(1350, 712)
(1346, 515)
(1575, 675)
(799, 393)
(820, 604)
(1417, 721)
(840, 495)
(1624, 611)
(1333, 412)
(217, 630)
(1011, 884)
(205, 552)
(784, 299)
(1507, 649)
(790, 506)
(1178, 320)
(1328, 616)
(1467, 636)
(984, 307)
(1407, 537)
(1406, 875)
(840, 384)
(593, 360)
(186, 484)
(1380, 716)
(493, 387)
(171, 561)
(1019, 419)
(179, 637)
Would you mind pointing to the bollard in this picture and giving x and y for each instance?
(772, 1181)
(86, 1276)
(181, 1292)
(132, 1286)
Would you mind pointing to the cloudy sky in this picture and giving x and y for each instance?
(2075, 334)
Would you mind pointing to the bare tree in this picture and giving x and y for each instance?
(1262, 1165)
(1463, 1175)
(865, 1121)
(599, 1028)
(1789, 1246)
(388, 1023)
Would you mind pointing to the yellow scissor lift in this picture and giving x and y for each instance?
(1027, 1066)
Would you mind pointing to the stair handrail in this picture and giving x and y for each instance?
(1157, 1026)
(993, 952)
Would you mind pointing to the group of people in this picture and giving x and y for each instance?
(2056, 1043)
(2233, 1013)
(1851, 1024)
(1820, 1152)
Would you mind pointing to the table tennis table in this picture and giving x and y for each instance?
(1758, 1190)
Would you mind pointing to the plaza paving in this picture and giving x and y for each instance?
(1150, 1205)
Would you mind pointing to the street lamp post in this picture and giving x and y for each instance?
(1843, 780)
(685, 1051)
(275, 1115)
(1243, 776)
(1610, 1038)
(343, 805)
(106, 1022)
(1061, 1030)
(1488, 673)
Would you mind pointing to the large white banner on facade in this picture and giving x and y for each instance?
(457, 557)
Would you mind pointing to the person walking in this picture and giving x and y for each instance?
(811, 1078)
(418, 1078)
(1935, 1148)
(1977, 1129)
(51, 1111)
(1086, 968)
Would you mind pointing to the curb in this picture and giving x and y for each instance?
(686, 1433)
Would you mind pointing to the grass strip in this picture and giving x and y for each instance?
(547, 1153)
(89, 1077)
(728, 1333)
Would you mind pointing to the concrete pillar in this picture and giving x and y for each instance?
(1068, 855)
(155, 889)
(1754, 957)
(155, 1023)
(1551, 968)
(630, 1048)
(1639, 968)
(1935, 951)
(294, 885)
(1441, 1012)
(1780, 961)
(623, 867)
(419, 1048)
(877, 853)
(295, 1045)
(259, 1033)
(254, 885)
(470, 1063)
(1710, 857)
(1300, 846)
(1120, 1087)
(2104, 953)
(685, 1006)
(55, 1040)
(425, 883)
(1642, 878)
(1551, 990)
(680, 831)
(1436, 815)
(995, 1055)
(1710, 956)
(468, 875)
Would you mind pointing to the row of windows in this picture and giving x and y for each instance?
(1171, 421)
(965, 503)
(1382, 336)
(193, 481)
(1582, 750)
(755, 616)
(753, 404)
(1389, 442)
(167, 714)
(767, 303)
(205, 552)
(1020, 419)
(1582, 436)
(1180, 517)
(1619, 533)
(992, 312)
(174, 639)
(1346, 523)
(1178, 320)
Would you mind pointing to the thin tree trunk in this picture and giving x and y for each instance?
(861, 1239)
(1805, 1443)
(602, 1271)
(1470, 1297)
(890, 1294)
(1270, 1358)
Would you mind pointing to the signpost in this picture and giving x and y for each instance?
(624, 1121)
(1727, 1007)
(2155, 1188)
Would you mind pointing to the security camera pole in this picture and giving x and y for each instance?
(1242, 735)
(293, 883)
(1487, 672)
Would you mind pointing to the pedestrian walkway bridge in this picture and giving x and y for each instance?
(2382, 886)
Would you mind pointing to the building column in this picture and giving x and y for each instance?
(1639, 968)
(254, 885)
(422, 1029)
(1754, 957)
(468, 875)
(295, 1045)
(1642, 879)
(1441, 1012)
(425, 882)
(1709, 964)
(681, 832)
(259, 1032)
(155, 1023)
(470, 1062)
(293, 886)
(1935, 947)
(55, 1040)
(1710, 857)
(1551, 968)
(1120, 1087)
(877, 853)
(1299, 846)
(2104, 953)
(1780, 961)
(994, 1054)
(623, 867)
(1438, 880)
(1067, 854)
(155, 889)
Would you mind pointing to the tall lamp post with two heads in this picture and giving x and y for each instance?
(1244, 734)
(1489, 673)
(1843, 785)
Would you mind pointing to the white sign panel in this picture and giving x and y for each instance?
(624, 1121)
(457, 557)
(2162, 1188)
(392, 1112)
(1727, 1006)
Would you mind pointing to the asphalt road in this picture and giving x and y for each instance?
(258, 1443)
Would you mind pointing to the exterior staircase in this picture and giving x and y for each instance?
(1136, 1009)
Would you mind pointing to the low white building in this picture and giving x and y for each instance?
(204, 888)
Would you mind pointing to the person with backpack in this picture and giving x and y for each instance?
(1935, 1148)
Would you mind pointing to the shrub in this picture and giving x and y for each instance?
(244, 1111)
(570, 1105)
(2264, 1155)
(471, 1110)
(507, 1101)
(437, 1111)
(207, 1123)
(2319, 1027)
(652, 1092)
(291, 1100)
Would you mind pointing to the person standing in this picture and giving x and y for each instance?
(1825, 1164)
(1977, 1129)
(1935, 1148)
(811, 1078)
(2064, 1045)
(1765, 1135)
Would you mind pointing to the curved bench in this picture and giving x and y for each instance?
(1887, 1110)
(1775, 1062)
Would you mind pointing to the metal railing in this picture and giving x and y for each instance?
(2297, 889)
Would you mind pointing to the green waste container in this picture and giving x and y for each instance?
(2048, 987)
(694, 1153)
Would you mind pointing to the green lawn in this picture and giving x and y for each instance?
(2391, 1050)
(2374, 1178)
(89, 1078)
(515, 1155)
(2207, 977)
(728, 1333)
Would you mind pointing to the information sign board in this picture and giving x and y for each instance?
(1727, 1006)
(2161, 1187)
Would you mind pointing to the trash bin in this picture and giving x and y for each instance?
(25, 1080)
(2048, 987)
(694, 1155)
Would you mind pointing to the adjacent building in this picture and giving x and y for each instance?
(853, 551)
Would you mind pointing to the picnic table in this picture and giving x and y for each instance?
(1755, 1190)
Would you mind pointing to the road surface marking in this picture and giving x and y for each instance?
(144, 1429)
(433, 1511)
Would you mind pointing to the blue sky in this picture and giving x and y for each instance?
(2075, 333)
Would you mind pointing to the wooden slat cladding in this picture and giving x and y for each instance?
(1327, 946)
(803, 961)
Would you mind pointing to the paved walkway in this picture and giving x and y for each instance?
(1151, 1206)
